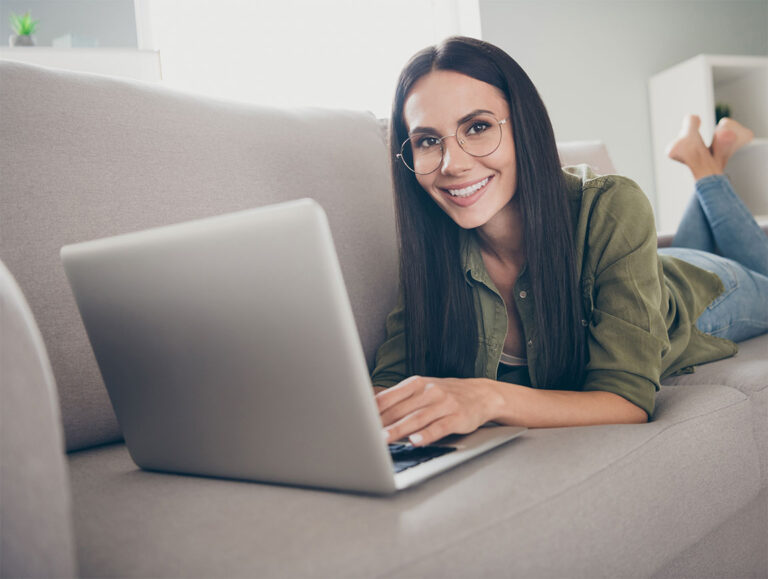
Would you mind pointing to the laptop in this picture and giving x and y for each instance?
(229, 349)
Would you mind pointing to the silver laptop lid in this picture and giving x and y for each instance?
(228, 348)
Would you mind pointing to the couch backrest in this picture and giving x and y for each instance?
(83, 157)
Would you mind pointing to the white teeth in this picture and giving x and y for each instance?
(467, 191)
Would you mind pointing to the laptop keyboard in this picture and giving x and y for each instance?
(405, 456)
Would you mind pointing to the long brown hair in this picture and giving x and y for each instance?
(440, 319)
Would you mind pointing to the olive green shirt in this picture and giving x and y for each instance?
(640, 307)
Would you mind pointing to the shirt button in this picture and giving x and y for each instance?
(584, 323)
(530, 343)
(523, 294)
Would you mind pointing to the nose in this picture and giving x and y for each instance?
(455, 159)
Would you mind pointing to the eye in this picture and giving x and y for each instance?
(425, 142)
(478, 126)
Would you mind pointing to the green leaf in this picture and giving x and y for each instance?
(23, 25)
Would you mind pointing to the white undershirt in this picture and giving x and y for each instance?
(509, 360)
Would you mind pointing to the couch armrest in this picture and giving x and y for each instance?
(36, 537)
(593, 153)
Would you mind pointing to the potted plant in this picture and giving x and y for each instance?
(23, 28)
(722, 110)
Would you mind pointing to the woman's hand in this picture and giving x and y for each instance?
(427, 409)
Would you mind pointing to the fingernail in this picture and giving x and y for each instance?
(386, 434)
(415, 438)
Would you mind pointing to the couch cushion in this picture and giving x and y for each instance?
(538, 506)
(746, 371)
(36, 531)
(735, 549)
(83, 157)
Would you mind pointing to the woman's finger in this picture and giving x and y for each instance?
(415, 421)
(420, 398)
(398, 393)
(433, 432)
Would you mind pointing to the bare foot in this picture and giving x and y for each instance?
(689, 149)
(729, 137)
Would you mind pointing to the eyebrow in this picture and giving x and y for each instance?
(463, 119)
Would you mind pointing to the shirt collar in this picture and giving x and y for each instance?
(472, 260)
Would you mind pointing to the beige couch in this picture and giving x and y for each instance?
(83, 157)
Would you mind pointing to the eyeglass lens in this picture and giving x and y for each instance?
(479, 136)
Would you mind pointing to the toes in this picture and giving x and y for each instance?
(729, 137)
(691, 123)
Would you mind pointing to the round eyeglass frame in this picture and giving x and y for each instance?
(401, 154)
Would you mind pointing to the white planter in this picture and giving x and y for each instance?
(21, 40)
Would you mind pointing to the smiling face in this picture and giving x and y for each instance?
(471, 190)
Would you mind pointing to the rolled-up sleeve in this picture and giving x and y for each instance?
(627, 332)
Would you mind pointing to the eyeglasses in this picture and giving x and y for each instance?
(479, 136)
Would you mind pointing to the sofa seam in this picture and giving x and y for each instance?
(747, 394)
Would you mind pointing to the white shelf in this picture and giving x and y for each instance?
(694, 87)
(121, 62)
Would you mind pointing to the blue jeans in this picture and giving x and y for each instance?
(719, 234)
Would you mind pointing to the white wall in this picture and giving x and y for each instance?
(591, 59)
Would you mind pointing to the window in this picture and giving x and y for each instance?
(329, 53)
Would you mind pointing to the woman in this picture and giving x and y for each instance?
(531, 295)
